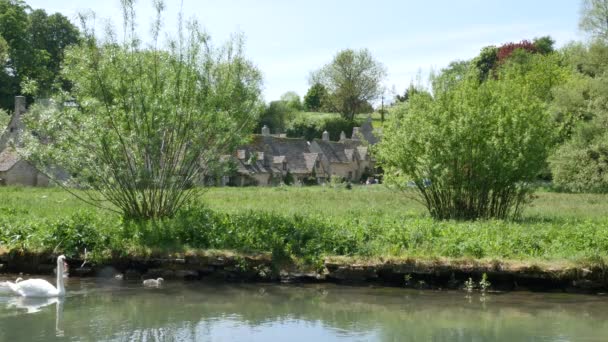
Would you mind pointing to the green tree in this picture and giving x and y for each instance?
(316, 98)
(408, 93)
(472, 149)
(353, 79)
(276, 116)
(51, 34)
(141, 126)
(13, 28)
(486, 61)
(581, 163)
(594, 18)
(36, 43)
(292, 100)
(544, 45)
(455, 72)
(3, 52)
(580, 108)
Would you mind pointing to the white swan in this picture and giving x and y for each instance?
(153, 282)
(5, 288)
(41, 287)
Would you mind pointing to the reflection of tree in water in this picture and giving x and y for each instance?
(196, 311)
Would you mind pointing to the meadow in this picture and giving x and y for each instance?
(309, 224)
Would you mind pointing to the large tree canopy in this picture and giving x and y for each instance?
(594, 18)
(141, 126)
(36, 42)
(581, 110)
(353, 79)
(471, 148)
(316, 98)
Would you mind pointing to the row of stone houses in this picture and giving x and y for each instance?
(13, 169)
(266, 160)
(270, 159)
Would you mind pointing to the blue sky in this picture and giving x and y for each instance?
(289, 39)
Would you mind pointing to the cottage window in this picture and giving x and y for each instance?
(317, 164)
(350, 175)
(284, 166)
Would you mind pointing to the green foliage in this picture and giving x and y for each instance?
(154, 119)
(581, 164)
(308, 223)
(544, 45)
(308, 236)
(316, 98)
(288, 178)
(472, 149)
(486, 61)
(594, 18)
(312, 126)
(580, 109)
(484, 283)
(36, 44)
(455, 72)
(352, 79)
(3, 52)
(491, 58)
(292, 100)
(4, 120)
(276, 116)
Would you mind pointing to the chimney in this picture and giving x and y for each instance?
(325, 136)
(342, 136)
(265, 130)
(355, 133)
(19, 105)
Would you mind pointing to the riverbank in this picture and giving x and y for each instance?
(367, 235)
(225, 266)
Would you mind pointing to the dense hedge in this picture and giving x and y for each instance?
(312, 126)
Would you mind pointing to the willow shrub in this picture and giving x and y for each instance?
(472, 149)
(142, 124)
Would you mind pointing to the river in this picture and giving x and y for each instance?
(114, 310)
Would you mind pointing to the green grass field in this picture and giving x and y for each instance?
(311, 223)
(374, 200)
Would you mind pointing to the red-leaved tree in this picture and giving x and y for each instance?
(506, 50)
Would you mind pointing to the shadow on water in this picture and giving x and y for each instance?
(113, 310)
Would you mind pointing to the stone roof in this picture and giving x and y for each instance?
(310, 159)
(294, 151)
(366, 131)
(258, 166)
(8, 159)
(336, 152)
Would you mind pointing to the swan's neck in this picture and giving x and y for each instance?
(60, 286)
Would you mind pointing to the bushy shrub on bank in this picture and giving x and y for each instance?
(307, 237)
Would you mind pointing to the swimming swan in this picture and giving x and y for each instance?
(153, 282)
(41, 287)
(4, 287)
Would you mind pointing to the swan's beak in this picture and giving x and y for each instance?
(65, 266)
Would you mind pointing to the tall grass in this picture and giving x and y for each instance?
(309, 224)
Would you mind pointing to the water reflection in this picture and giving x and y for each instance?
(30, 305)
(203, 312)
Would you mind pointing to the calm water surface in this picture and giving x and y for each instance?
(96, 310)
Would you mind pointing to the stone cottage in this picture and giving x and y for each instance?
(13, 169)
(269, 158)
